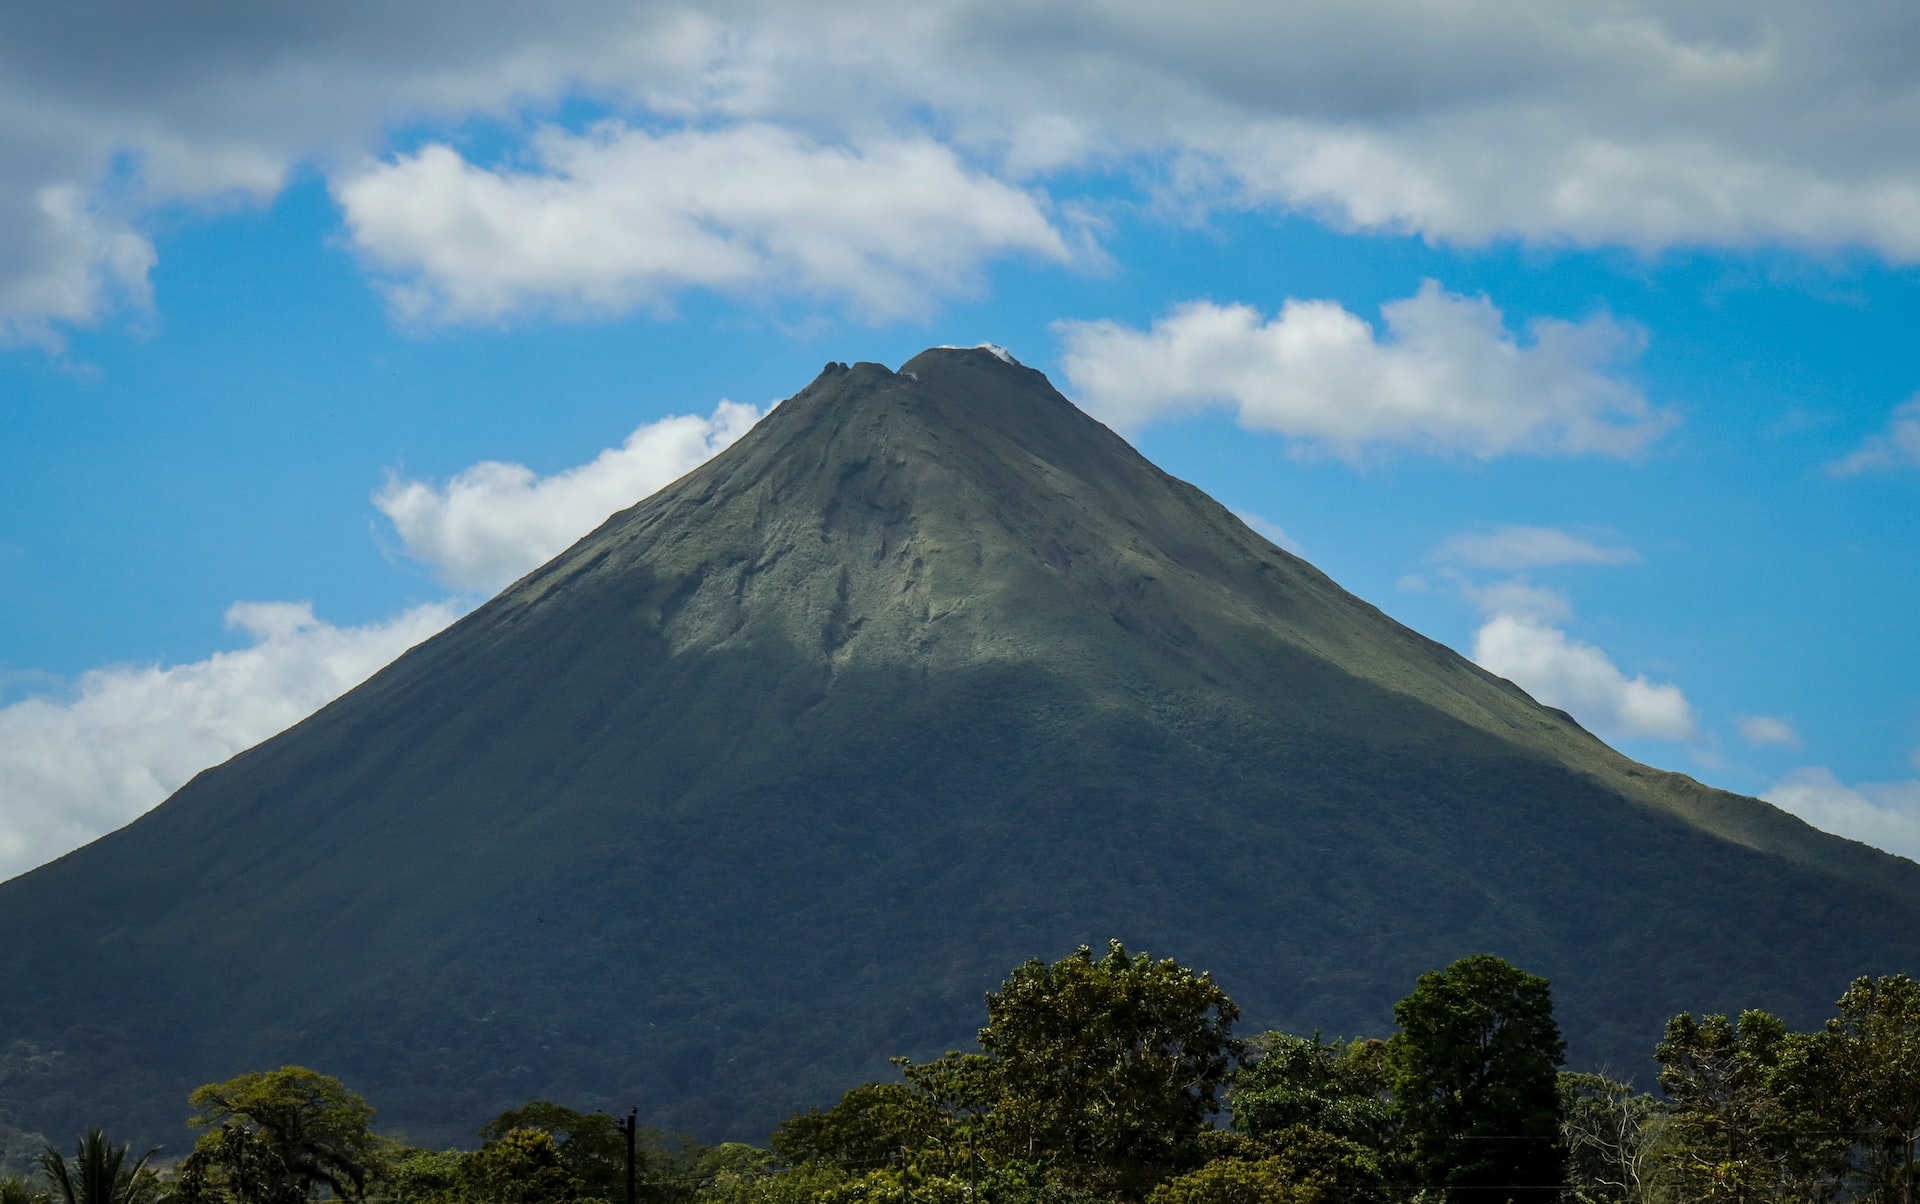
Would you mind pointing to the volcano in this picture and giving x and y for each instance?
(773, 774)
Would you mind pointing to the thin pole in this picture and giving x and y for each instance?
(628, 1127)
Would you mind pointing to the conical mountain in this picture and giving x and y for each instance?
(773, 774)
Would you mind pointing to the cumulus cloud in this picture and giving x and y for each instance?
(1445, 375)
(1883, 814)
(1581, 680)
(494, 522)
(77, 766)
(75, 263)
(1898, 446)
(621, 217)
(1762, 731)
(1521, 547)
(1644, 124)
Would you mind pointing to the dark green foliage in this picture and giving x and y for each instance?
(1732, 1140)
(99, 1173)
(1473, 1074)
(590, 1145)
(1105, 1070)
(1232, 1181)
(520, 1166)
(1295, 1082)
(314, 1129)
(233, 1164)
(18, 1189)
(1294, 1166)
(1861, 1077)
(423, 1176)
(779, 770)
(873, 1125)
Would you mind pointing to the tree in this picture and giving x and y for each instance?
(521, 1166)
(1105, 1071)
(236, 1165)
(416, 1176)
(315, 1126)
(873, 1125)
(1732, 1137)
(591, 1145)
(960, 1088)
(1858, 1080)
(1297, 1166)
(18, 1189)
(1613, 1139)
(1302, 1081)
(1472, 1071)
(1233, 1181)
(99, 1173)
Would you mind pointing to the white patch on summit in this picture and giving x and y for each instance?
(995, 348)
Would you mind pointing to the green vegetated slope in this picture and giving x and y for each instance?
(772, 775)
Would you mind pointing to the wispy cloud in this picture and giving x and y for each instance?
(1897, 446)
(1522, 547)
(1763, 731)
(1443, 375)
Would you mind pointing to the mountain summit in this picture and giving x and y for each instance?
(771, 775)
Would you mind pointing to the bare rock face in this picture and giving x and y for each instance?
(773, 774)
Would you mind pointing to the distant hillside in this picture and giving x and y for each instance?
(772, 775)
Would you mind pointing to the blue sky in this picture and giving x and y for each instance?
(1576, 337)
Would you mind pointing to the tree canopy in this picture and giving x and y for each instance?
(318, 1130)
(1473, 1072)
(1106, 1069)
(1098, 1081)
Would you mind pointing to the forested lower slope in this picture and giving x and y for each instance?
(774, 774)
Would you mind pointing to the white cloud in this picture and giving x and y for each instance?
(79, 764)
(73, 768)
(494, 522)
(1896, 447)
(1764, 730)
(1883, 814)
(621, 217)
(1446, 376)
(1509, 595)
(1641, 123)
(75, 264)
(1521, 547)
(1581, 680)
(1518, 596)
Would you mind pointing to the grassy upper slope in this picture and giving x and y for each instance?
(771, 775)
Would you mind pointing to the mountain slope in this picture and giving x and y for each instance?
(771, 775)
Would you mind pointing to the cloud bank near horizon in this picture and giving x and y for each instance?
(76, 766)
(85, 761)
(1885, 815)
